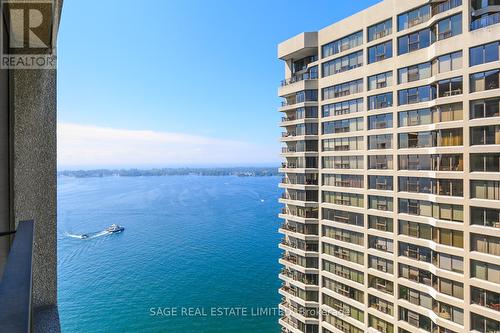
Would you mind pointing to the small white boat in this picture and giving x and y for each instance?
(114, 228)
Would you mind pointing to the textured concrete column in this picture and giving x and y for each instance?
(33, 144)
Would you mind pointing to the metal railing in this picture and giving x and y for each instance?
(16, 284)
(485, 21)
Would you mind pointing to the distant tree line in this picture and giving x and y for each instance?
(236, 171)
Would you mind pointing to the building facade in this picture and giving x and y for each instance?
(391, 171)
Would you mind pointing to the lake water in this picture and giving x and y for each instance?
(191, 244)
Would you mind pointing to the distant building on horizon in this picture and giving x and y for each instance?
(391, 168)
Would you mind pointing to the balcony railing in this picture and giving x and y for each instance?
(289, 118)
(306, 214)
(444, 6)
(485, 21)
(16, 284)
(299, 77)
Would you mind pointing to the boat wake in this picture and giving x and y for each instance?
(89, 235)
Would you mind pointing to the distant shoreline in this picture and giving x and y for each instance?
(235, 171)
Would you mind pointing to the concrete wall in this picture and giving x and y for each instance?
(33, 137)
(28, 159)
(4, 166)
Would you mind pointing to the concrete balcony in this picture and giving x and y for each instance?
(300, 46)
(296, 84)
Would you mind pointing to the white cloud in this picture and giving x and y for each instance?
(93, 146)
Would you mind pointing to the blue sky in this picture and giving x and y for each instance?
(200, 75)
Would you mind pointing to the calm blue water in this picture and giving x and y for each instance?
(190, 241)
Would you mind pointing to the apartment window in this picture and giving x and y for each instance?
(380, 121)
(451, 313)
(441, 7)
(440, 138)
(415, 274)
(416, 95)
(415, 41)
(416, 297)
(380, 284)
(380, 80)
(380, 30)
(451, 288)
(341, 306)
(381, 244)
(487, 162)
(415, 252)
(414, 17)
(383, 141)
(343, 89)
(343, 144)
(343, 235)
(381, 305)
(301, 64)
(301, 97)
(450, 187)
(381, 264)
(379, 222)
(450, 87)
(486, 298)
(447, 112)
(449, 27)
(308, 112)
(307, 96)
(413, 229)
(448, 62)
(449, 237)
(355, 181)
(343, 64)
(450, 137)
(441, 113)
(343, 289)
(485, 244)
(380, 162)
(415, 117)
(380, 101)
(343, 217)
(380, 203)
(435, 210)
(343, 162)
(487, 217)
(485, 108)
(414, 73)
(485, 271)
(305, 129)
(380, 183)
(484, 325)
(415, 162)
(380, 325)
(343, 271)
(342, 44)
(346, 107)
(416, 140)
(484, 53)
(484, 81)
(380, 52)
(342, 126)
(346, 199)
(344, 253)
(485, 189)
(485, 135)
(339, 324)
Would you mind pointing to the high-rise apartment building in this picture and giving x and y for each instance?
(392, 171)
